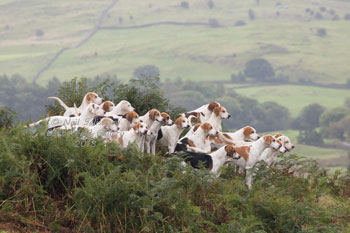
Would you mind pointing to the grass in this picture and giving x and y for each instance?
(295, 98)
(195, 53)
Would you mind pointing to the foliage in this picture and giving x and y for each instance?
(49, 184)
(259, 69)
(7, 117)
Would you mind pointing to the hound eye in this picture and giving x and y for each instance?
(274, 140)
(184, 121)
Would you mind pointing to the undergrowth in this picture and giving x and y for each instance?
(49, 185)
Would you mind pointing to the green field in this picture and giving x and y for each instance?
(287, 40)
(295, 98)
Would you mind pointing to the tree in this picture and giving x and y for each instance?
(146, 72)
(332, 115)
(340, 129)
(307, 122)
(309, 118)
(259, 69)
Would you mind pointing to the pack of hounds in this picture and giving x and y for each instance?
(204, 143)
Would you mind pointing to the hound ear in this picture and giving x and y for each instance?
(247, 131)
(178, 122)
(152, 114)
(212, 105)
(105, 107)
(130, 116)
(106, 122)
(217, 111)
(268, 139)
(89, 97)
(278, 135)
(230, 150)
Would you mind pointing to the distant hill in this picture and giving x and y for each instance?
(301, 39)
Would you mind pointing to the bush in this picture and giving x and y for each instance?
(259, 69)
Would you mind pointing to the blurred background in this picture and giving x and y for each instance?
(279, 66)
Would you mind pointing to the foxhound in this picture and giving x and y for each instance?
(212, 161)
(250, 154)
(135, 134)
(203, 113)
(103, 128)
(196, 141)
(169, 135)
(120, 109)
(85, 119)
(269, 155)
(152, 135)
(89, 98)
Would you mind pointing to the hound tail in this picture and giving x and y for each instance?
(59, 101)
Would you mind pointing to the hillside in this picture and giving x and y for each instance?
(41, 40)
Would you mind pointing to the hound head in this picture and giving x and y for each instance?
(92, 97)
(96, 109)
(140, 128)
(272, 142)
(108, 106)
(182, 122)
(221, 112)
(109, 124)
(125, 106)
(166, 118)
(208, 128)
(132, 117)
(250, 133)
(213, 105)
(154, 114)
(231, 152)
(285, 142)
